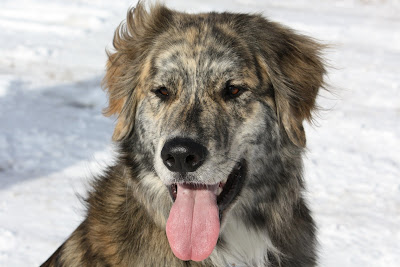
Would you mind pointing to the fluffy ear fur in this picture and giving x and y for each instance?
(125, 66)
(296, 71)
(116, 93)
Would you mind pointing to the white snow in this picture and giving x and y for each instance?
(53, 137)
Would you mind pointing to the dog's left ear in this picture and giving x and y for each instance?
(296, 71)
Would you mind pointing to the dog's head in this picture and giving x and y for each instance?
(209, 103)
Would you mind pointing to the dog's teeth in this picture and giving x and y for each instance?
(219, 191)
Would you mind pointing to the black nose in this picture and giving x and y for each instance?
(183, 155)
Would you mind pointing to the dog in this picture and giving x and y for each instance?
(210, 110)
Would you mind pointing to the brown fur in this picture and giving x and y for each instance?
(128, 207)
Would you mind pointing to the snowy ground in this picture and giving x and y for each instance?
(53, 136)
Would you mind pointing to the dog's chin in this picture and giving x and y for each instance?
(228, 189)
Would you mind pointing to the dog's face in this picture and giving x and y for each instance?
(209, 102)
(202, 109)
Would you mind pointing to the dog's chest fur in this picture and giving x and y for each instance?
(242, 246)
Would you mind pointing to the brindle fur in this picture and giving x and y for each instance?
(194, 56)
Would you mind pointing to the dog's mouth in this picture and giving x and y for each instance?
(228, 189)
(194, 220)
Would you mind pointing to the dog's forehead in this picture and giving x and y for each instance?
(199, 49)
(183, 55)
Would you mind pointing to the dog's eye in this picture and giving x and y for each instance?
(162, 92)
(233, 91)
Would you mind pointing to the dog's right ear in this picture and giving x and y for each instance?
(132, 41)
(116, 95)
(119, 81)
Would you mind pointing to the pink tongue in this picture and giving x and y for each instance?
(193, 223)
